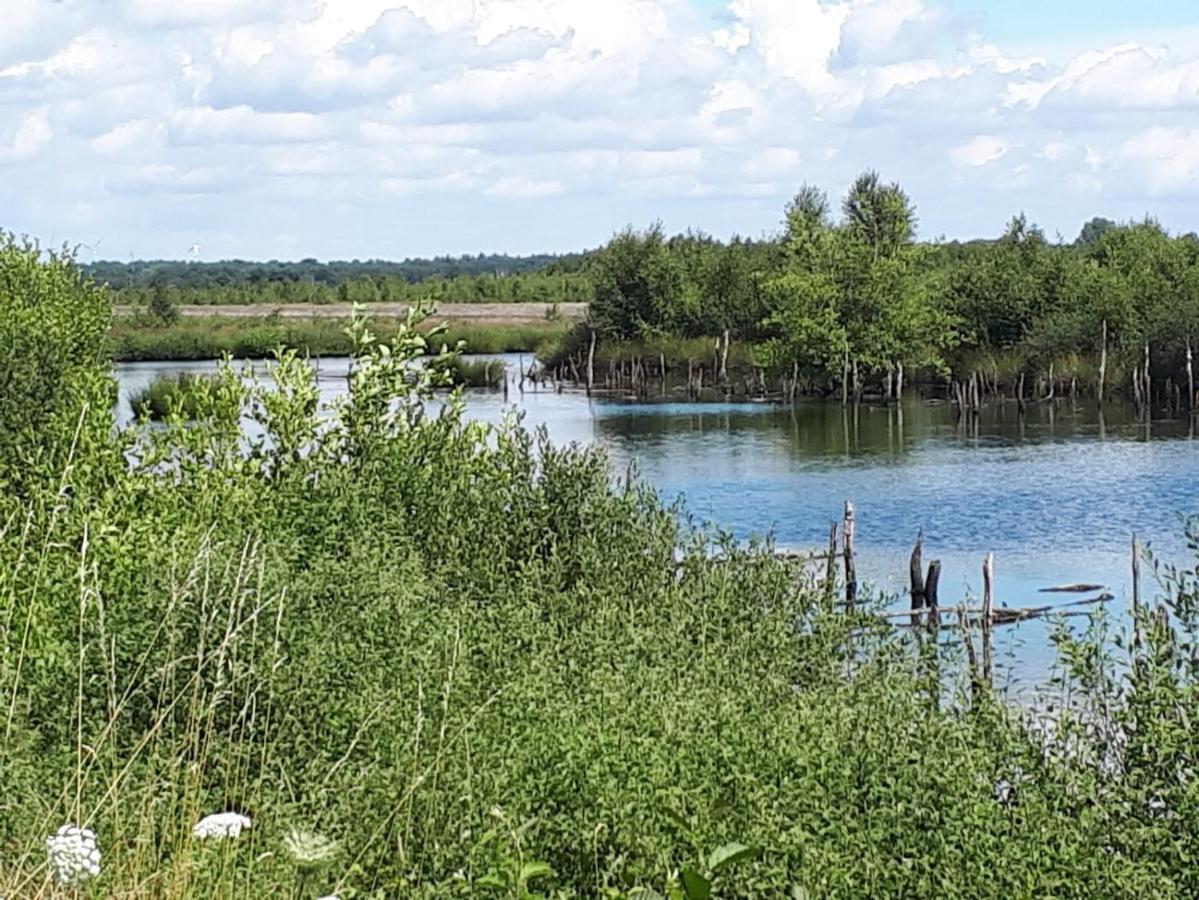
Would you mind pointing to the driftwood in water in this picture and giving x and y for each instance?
(1072, 589)
(1006, 615)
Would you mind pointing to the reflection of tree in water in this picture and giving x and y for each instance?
(817, 429)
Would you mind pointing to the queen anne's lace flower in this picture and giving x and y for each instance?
(221, 825)
(74, 856)
(309, 851)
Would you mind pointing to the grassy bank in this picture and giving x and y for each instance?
(465, 663)
(137, 339)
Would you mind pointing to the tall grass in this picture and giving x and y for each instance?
(195, 338)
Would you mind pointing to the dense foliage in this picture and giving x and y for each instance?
(426, 658)
(831, 296)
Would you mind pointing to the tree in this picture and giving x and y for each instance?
(879, 215)
(1093, 230)
(162, 307)
(638, 285)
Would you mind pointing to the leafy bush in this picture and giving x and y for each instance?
(170, 395)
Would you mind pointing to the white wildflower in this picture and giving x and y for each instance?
(221, 825)
(74, 856)
(308, 850)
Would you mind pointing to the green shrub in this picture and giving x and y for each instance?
(163, 397)
(53, 373)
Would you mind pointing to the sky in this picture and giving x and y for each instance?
(286, 129)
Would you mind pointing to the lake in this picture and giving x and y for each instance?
(1056, 494)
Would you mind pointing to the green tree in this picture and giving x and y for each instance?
(638, 285)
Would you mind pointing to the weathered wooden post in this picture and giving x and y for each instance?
(851, 577)
(830, 565)
(916, 576)
(988, 602)
(1136, 594)
(931, 600)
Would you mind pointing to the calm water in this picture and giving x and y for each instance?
(1056, 495)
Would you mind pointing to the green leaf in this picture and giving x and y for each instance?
(730, 854)
(682, 824)
(491, 880)
(696, 886)
(532, 870)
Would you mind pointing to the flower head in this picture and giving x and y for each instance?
(221, 825)
(74, 856)
(308, 850)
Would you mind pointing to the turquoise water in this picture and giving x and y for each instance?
(1055, 494)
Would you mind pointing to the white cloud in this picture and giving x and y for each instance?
(979, 151)
(1168, 158)
(521, 187)
(31, 134)
(331, 116)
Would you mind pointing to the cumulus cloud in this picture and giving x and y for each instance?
(1168, 158)
(979, 151)
(349, 120)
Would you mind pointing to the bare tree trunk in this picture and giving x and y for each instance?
(898, 382)
(845, 379)
(1190, 378)
(1148, 390)
(591, 364)
(1102, 364)
(724, 356)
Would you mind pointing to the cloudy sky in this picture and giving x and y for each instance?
(393, 128)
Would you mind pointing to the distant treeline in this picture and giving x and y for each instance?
(482, 278)
(194, 274)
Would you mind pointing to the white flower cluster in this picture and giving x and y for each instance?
(221, 826)
(310, 851)
(74, 856)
